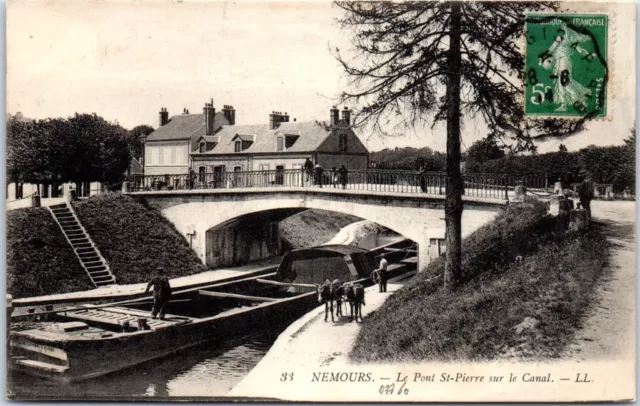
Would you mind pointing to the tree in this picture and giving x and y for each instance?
(84, 148)
(405, 51)
(484, 150)
(562, 148)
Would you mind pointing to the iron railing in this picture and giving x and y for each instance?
(475, 185)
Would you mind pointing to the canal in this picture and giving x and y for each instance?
(210, 369)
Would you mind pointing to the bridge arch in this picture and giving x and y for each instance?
(194, 214)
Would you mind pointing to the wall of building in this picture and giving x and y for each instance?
(167, 153)
(355, 162)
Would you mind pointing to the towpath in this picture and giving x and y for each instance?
(119, 291)
(609, 331)
(311, 342)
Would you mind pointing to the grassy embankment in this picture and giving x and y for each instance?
(505, 307)
(313, 227)
(135, 239)
(40, 261)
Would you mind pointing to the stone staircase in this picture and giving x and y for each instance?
(86, 251)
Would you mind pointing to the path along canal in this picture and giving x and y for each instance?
(210, 369)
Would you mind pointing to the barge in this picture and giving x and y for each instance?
(88, 341)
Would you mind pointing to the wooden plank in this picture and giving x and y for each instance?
(412, 260)
(297, 285)
(236, 296)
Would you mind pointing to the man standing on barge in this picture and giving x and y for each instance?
(161, 293)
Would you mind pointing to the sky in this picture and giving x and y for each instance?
(124, 60)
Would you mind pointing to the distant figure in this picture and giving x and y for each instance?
(382, 271)
(334, 176)
(161, 293)
(191, 178)
(308, 168)
(343, 173)
(585, 193)
(422, 174)
(317, 174)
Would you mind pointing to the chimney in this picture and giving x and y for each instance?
(276, 117)
(346, 116)
(334, 115)
(230, 114)
(164, 116)
(185, 111)
(209, 115)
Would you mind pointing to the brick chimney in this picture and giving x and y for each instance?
(209, 115)
(276, 117)
(346, 116)
(229, 113)
(164, 116)
(334, 114)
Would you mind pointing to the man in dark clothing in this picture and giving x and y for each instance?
(382, 271)
(317, 174)
(161, 294)
(308, 168)
(342, 172)
(585, 193)
(191, 178)
(422, 175)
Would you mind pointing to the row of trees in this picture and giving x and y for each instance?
(609, 165)
(83, 148)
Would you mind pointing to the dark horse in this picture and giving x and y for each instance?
(326, 295)
(355, 297)
(339, 293)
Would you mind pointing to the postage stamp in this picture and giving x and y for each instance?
(566, 65)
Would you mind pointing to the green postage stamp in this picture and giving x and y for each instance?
(566, 68)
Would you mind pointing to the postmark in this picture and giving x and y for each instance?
(566, 69)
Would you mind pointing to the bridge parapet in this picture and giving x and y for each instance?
(484, 186)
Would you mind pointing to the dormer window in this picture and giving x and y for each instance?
(280, 143)
(203, 147)
(238, 146)
(289, 140)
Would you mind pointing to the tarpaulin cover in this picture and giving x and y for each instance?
(327, 262)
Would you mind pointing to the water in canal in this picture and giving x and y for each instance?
(205, 370)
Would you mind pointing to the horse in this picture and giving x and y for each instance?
(326, 295)
(355, 297)
(338, 293)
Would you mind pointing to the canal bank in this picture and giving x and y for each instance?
(311, 344)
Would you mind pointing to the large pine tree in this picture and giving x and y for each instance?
(423, 62)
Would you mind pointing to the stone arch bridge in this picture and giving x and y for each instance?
(197, 214)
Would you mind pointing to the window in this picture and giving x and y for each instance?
(342, 142)
(238, 146)
(280, 144)
(201, 173)
(202, 147)
(289, 140)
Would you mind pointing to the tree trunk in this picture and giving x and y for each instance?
(453, 200)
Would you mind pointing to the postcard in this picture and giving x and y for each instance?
(331, 201)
